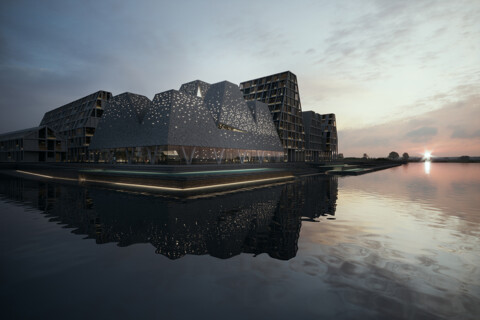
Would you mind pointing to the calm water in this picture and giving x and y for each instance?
(401, 243)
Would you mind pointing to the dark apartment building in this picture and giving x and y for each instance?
(321, 142)
(76, 123)
(280, 92)
(38, 144)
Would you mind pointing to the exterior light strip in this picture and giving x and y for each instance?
(45, 176)
(146, 186)
(177, 173)
(226, 171)
(311, 174)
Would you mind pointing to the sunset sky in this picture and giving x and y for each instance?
(399, 75)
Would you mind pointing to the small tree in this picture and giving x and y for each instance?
(393, 155)
(464, 158)
(365, 156)
(405, 156)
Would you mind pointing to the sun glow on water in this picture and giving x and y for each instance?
(427, 157)
(428, 165)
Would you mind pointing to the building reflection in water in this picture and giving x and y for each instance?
(266, 220)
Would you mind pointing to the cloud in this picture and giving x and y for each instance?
(461, 133)
(451, 130)
(375, 34)
(422, 134)
(392, 33)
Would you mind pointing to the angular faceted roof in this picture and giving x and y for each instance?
(195, 88)
(121, 120)
(199, 114)
(227, 106)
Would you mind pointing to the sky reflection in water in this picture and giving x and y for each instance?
(404, 244)
(406, 241)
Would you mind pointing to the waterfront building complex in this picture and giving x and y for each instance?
(259, 121)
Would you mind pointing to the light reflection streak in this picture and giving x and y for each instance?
(427, 167)
(45, 176)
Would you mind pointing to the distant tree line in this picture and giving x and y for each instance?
(395, 156)
(406, 157)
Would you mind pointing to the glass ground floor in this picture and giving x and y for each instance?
(183, 155)
(320, 156)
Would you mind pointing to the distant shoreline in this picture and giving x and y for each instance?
(439, 160)
(450, 161)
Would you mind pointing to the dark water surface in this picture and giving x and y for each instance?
(401, 243)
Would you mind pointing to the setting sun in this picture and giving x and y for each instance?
(427, 155)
